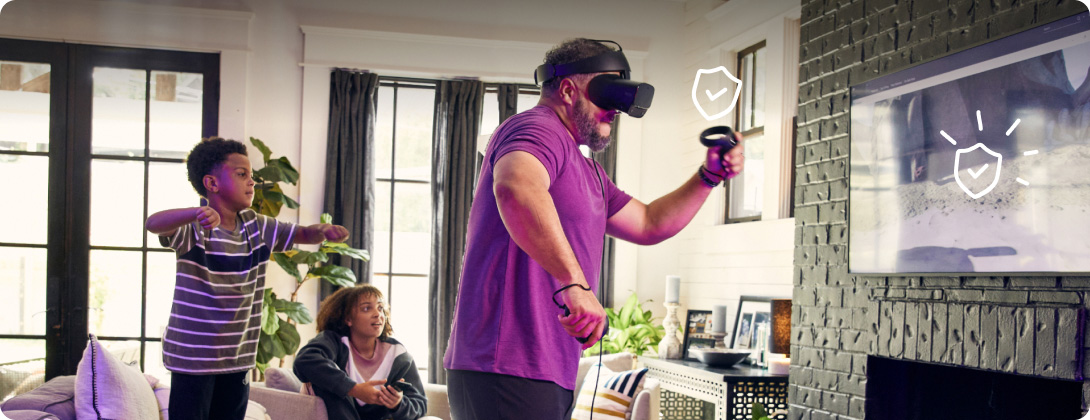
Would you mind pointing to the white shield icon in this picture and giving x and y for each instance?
(976, 173)
(715, 95)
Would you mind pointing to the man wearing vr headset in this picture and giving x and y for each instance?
(536, 230)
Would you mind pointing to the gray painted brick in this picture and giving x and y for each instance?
(857, 407)
(866, 319)
(840, 361)
(965, 295)
(816, 193)
(925, 326)
(838, 276)
(836, 402)
(1067, 363)
(802, 376)
(1075, 282)
(804, 336)
(807, 396)
(1034, 282)
(839, 148)
(896, 336)
(823, 415)
(972, 336)
(810, 357)
(1007, 337)
(825, 379)
(827, 338)
(838, 318)
(849, 339)
(941, 281)
(832, 213)
(1073, 298)
(911, 331)
(838, 234)
(924, 294)
(1024, 341)
(830, 296)
(983, 281)
(938, 334)
(1044, 359)
(955, 325)
(806, 255)
(1007, 296)
(900, 281)
(859, 364)
(989, 337)
(804, 296)
(812, 316)
(806, 215)
(853, 385)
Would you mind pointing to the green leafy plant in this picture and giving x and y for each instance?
(759, 412)
(279, 337)
(631, 329)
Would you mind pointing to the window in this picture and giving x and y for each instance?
(527, 98)
(745, 191)
(403, 210)
(96, 137)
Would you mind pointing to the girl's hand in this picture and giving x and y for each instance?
(390, 397)
(368, 391)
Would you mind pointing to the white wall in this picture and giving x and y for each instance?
(718, 263)
(264, 79)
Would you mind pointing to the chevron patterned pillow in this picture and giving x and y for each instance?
(615, 393)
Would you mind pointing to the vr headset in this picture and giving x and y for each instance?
(608, 91)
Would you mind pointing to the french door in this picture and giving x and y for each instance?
(92, 140)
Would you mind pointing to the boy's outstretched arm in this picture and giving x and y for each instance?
(167, 221)
(315, 234)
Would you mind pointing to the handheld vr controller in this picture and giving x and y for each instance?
(567, 311)
(721, 136)
(587, 338)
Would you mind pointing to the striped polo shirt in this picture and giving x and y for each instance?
(216, 316)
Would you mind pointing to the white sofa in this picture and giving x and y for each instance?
(285, 405)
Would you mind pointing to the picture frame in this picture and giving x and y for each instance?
(697, 332)
(752, 310)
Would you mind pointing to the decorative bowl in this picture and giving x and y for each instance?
(721, 358)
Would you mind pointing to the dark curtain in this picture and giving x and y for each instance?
(608, 159)
(509, 96)
(458, 109)
(508, 100)
(350, 162)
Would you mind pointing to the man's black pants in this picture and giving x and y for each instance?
(209, 397)
(492, 396)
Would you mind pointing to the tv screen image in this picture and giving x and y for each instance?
(977, 162)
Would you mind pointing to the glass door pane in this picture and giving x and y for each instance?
(24, 166)
(119, 110)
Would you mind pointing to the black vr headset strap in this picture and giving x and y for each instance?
(605, 62)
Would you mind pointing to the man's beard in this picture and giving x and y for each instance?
(587, 127)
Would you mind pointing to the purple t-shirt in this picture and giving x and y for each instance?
(505, 321)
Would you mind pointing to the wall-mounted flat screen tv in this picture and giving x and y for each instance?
(976, 162)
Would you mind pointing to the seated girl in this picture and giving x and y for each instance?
(355, 366)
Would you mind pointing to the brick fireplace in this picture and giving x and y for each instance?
(1031, 327)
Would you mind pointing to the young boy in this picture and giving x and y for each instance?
(211, 339)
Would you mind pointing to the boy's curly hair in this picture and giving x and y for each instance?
(206, 156)
(339, 306)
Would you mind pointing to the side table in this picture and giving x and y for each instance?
(732, 390)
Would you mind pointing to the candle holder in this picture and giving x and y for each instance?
(720, 339)
(670, 346)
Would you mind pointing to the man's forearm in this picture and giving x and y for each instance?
(167, 221)
(673, 211)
